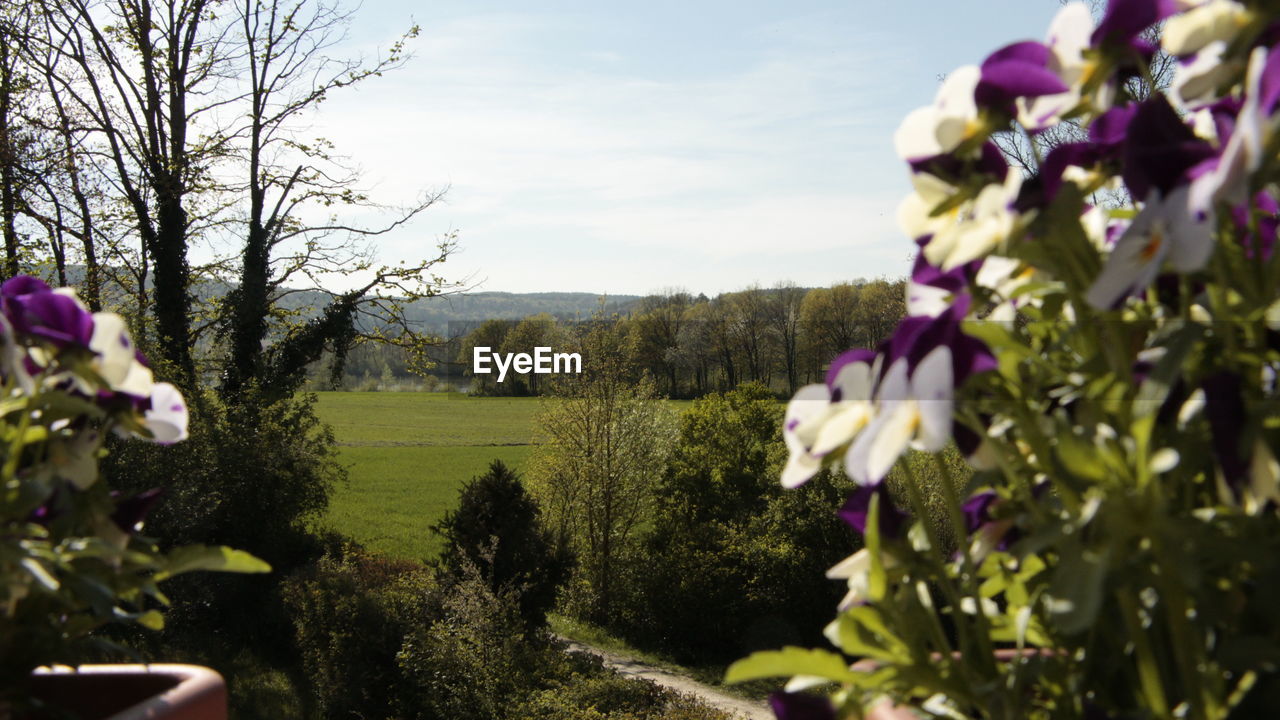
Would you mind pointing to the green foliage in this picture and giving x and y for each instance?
(256, 489)
(495, 528)
(350, 613)
(723, 463)
(607, 438)
(742, 559)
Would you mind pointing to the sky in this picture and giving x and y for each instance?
(627, 148)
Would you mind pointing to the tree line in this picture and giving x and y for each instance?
(780, 337)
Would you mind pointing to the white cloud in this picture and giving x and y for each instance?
(608, 160)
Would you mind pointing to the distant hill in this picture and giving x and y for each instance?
(436, 315)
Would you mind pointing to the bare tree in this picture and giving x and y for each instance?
(289, 70)
(783, 312)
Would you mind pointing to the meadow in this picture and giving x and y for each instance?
(408, 453)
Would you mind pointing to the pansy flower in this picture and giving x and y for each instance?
(823, 417)
(969, 230)
(1067, 40)
(1164, 230)
(1223, 176)
(800, 706)
(940, 128)
(1210, 21)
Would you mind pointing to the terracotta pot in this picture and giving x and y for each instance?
(133, 692)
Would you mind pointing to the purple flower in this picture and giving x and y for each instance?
(800, 706)
(1014, 71)
(954, 169)
(1160, 150)
(1081, 154)
(932, 289)
(977, 509)
(916, 337)
(841, 390)
(1112, 127)
(134, 509)
(1125, 20)
(35, 310)
(855, 510)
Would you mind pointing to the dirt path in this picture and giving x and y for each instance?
(742, 708)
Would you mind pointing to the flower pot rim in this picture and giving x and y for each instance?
(199, 692)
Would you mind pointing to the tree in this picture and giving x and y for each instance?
(782, 313)
(606, 438)
(185, 96)
(830, 318)
(284, 41)
(656, 329)
(496, 529)
(532, 332)
(492, 334)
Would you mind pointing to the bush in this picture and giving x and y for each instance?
(742, 560)
(496, 529)
(351, 612)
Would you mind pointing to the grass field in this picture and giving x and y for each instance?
(407, 455)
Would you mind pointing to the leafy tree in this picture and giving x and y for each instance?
(722, 465)
(491, 334)
(742, 560)
(606, 438)
(496, 529)
(529, 333)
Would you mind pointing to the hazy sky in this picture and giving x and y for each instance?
(627, 147)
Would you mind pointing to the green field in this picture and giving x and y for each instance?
(407, 455)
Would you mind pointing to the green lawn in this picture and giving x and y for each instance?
(407, 455)
(414, 419)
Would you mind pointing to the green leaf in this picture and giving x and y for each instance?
(204, 557)
(862, 631)
(1155, 388)
(1077, 589)
(151, 619)
(787, 662)
(877, 580)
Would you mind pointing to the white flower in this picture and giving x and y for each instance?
(167, 418)
(810, 406)
(75, 459)
(856, 569)
(116, 359)
(911, 410)
(821, 419)
(1165, 229)
(941, 127)
(968, 231)
(1244, 151)
(1068, 38)
(1204, 23)
(1196, 82)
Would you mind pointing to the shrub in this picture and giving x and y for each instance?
(742, 560)
(496, 529)
(351, 612)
